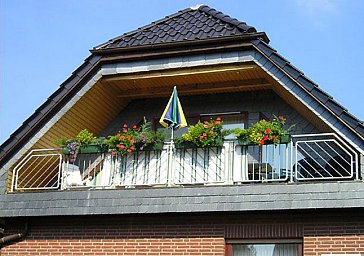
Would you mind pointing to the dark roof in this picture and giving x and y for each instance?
(245, 198)
(311, 87)
(191, 24)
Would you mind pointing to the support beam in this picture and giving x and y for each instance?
(252, 84)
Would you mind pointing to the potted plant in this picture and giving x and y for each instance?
(84, 142)
(130, 140)
(264, 132)
(203, 134)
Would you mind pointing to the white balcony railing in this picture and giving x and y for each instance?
(305, 158)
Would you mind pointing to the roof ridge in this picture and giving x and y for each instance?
(153, 23)
(226, 18)
(201, 8)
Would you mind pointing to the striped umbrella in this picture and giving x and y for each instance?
(173, 116)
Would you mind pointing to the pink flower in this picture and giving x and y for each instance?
(135, 127)
(205, 126)
(217, 122)
(201, 137)
(125, 131)
(211, 132)
(113, 153)
(204, 134)
(129, 150)
(125, 126)
(218, 119)
(281, 118)
(118, 134)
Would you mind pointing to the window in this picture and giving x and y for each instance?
(267, 248)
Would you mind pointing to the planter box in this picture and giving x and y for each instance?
(187, 145)
(285, 139)
(246, 142)
(87, 149)
(153, 147)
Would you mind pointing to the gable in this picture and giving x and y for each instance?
(140, 70)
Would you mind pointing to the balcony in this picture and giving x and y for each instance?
(314, 157)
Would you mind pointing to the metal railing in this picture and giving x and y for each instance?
(40, 169)
(323, 156)
(305, 158)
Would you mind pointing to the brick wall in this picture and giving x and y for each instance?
(334, 237)
(117, 236)
(183, 234)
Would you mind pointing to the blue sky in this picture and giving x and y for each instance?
(42, 42)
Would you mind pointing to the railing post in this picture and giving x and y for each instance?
(170, 174)
(291, 145)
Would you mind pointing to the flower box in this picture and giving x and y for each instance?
(153, 147)
(188, 145)
(87, 149)
(285, 139)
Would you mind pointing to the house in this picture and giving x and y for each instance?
(304, 197)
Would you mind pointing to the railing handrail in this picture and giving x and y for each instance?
(277, 164)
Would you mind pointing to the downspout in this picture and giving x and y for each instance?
(14, 237)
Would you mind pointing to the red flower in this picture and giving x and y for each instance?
(218, 119)
(261, 142)
(274, 137)
(128, 137)
(281, 118)
(267, 131)
(265, 137)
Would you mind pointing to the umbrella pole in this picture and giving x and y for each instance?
(170, 160)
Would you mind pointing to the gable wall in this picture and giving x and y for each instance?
(253, 102)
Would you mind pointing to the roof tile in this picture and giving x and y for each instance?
(188, 22)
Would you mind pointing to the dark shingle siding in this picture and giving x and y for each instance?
(254, 197)
(310, 86)
(186, 25)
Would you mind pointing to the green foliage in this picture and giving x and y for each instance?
(85, 137)
(206, 134)
(264, 132)
(129, 140)
(62, 141)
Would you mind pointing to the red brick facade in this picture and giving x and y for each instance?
(183, 235)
